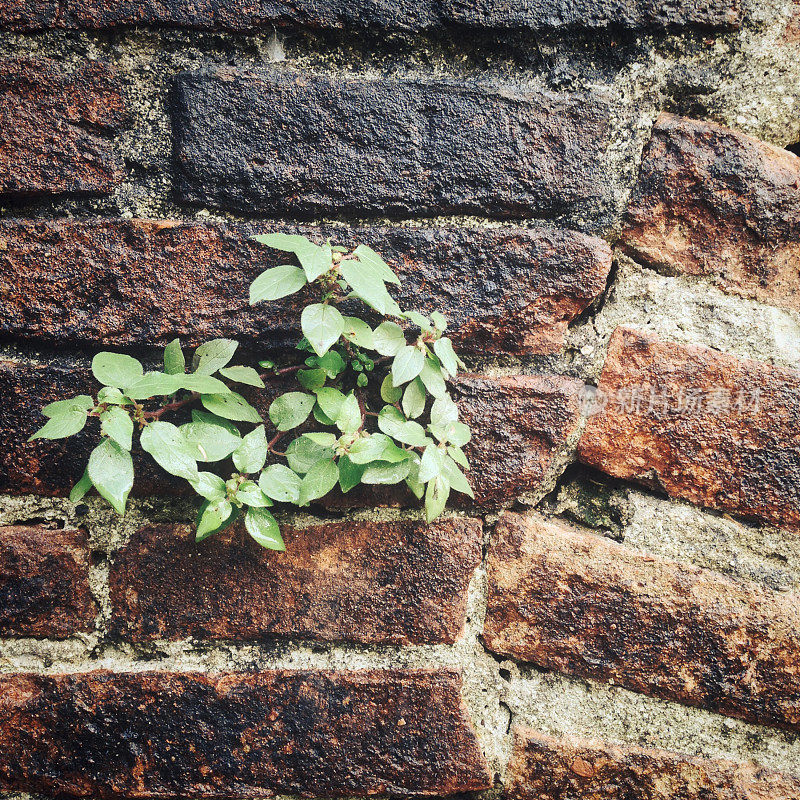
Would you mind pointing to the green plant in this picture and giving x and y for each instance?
(371, 405)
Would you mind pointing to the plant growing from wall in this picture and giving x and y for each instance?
(371, 405)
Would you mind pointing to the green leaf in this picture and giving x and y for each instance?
(413, 482)
(210, 486)
(213, 355)
(457, 454)
(368, 286)
(322, 325)
(115, 369)
(315, 260)
(368, 257)
(111, 471)
(80, 403)
(458, 434)
(394, 424)
(117, 424)
(280, 483)
(330, 401)
(349, 418)
(419, 320)
(389, 392)
(349, 474)
(383, 472)
(250, 494)
(322, 438)
(431, 376)
(321, 417)
(166, 444)
(439, 320)
(174, 361)
(110, 395)
(407, 365)
(245, 375)
(209, 441)
(288, 242)
(331, 362)
(436, 495)
(311, 379)
(376, 447)
(318, 481)
(230, 406)
(444, 350)
(213, 419)
(66, 423)
(80, 488)
(303, 453)
(261, 525)
(251, 455)
(389, 338)
(431, 464)
(214, 517)
(276, 283)
(359, 333)
(414, 399)
(455, 477)
(203, 384)
(443, 411)
(290, 410)
(153, 384)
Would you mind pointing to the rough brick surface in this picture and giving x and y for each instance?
(238, 735)
(390, 582)
(27, 15)
(55, 127)
(44, 582)
(714, 202)
(508, 290)
(587, 606)
(721, 432)
(543, 768)
(278, 141)
(519, 425)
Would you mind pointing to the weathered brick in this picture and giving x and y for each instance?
(120, 282)
(721, 432)
(246, 15)
(544, 768)
(277, 141)
(714, 202)
(28, 15)
(44, 583)
(229, 735)
(519, 425)
(584, 605)
(398, 582)
(55, 127)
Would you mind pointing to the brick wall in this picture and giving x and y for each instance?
(598, 196)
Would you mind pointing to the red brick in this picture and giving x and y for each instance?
(584, 605)
(744, 459)
(714, 202)
(28, 15)
(44, 583)
(55, 127)
(370, 582)
(229, 735)
(544, 768)
(507, 290)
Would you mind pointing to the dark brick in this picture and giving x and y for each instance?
(170, 734)
(721, 431)
(584, 605)
(544, 768)
(44, 583)
(27, 15)
(714, 202)
(281, 142)
(370, 582)
(55, 127)
(519, 425)
(507, 290)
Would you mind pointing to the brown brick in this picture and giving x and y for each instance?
(250, 141)
(714, 202)
(519, 425)
(544, 768)
(744, 458)
(370, 582)
(507, 290)
(27, 15)
(44, 583)
(586, 606)
(229, 735)
(55, 128)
